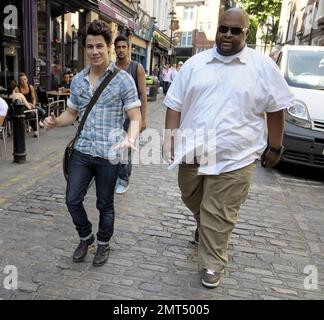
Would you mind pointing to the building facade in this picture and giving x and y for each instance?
(301, 22)
(42, 37)
(198, 22)
(158, 11)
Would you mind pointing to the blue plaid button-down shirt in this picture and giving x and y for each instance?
(104, 125)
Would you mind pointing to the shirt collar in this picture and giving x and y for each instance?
(110, 67)
(86, 72)
(240, 56)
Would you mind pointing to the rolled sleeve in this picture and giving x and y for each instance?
(135, 104)
(72, 101)
(129, 94)
(279, 95)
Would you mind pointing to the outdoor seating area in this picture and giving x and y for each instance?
(49, 101)
(37, 105)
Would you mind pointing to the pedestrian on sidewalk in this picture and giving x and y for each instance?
(174, 72)
(136, 70)
(225, 90)
(95, 152)
(167, 77)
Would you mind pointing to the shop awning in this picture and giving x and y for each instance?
(114, 14)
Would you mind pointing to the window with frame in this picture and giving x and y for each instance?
(200, 50)
(188, 13)
(201, 26)
(186, 39)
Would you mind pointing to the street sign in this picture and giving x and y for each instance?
(174, 25)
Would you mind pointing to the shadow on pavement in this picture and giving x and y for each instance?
(300, 172)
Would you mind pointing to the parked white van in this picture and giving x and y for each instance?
(303, 69)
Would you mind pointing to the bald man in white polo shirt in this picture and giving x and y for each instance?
(223, 94)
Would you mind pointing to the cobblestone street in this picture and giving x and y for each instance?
(279, 233)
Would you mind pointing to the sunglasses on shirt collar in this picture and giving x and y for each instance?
(234, 30)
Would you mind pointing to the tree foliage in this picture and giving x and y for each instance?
(262, 10)
(251, 39)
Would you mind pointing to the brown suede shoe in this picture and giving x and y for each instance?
(101, 255)
(82, 249)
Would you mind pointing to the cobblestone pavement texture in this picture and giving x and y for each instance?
(280, 231)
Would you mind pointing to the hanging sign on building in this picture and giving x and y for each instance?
(113, 13)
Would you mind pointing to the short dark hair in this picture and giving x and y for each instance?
(121, 37)
(97, 28)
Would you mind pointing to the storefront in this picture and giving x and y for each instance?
(141, 40)
(45, 43)
(39, 37)
(121, 18)
(160, 47)
(59, 48)
(139, 50)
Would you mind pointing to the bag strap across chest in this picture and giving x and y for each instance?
(96, 96)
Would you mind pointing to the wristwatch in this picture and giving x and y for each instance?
(277, 151)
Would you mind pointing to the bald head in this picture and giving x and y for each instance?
(232, 31)
(238, 14)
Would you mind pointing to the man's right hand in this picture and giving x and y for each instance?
(50, 122)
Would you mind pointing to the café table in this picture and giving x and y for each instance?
(58, 93)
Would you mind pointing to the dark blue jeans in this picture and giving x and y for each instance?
(41, 113)
(125, 169)
(82, 168)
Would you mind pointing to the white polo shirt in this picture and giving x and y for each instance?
(225, 98)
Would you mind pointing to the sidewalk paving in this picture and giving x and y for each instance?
(279, 232)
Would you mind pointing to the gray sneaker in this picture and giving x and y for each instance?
(210, 278)
(121, 186)
(120, 189)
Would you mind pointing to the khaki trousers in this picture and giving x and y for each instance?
(215, 201)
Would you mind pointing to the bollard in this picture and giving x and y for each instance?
(19, 142)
